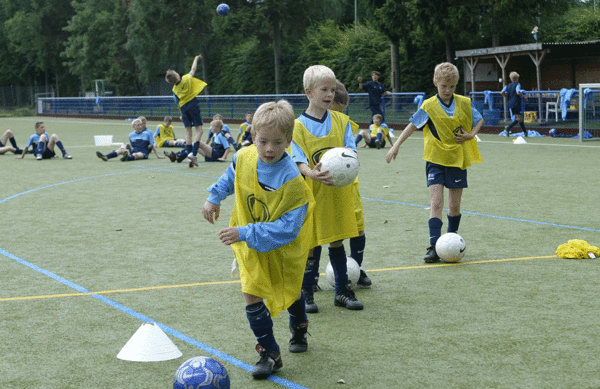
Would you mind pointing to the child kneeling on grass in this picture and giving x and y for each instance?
(270, 231)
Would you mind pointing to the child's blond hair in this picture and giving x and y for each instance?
(216, 124)
(168, 119)
(341, 97)
(172, 76)
(316, 74)
(378, 116)
(445, 71)
(274, 114)
(514, 76)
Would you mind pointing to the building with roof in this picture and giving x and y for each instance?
(542, 66)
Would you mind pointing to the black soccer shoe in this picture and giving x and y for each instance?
(171, 155)
(269, 362)
(298, 338)
(347, 300)
(431, 256)
(363, 279)
(309, 302)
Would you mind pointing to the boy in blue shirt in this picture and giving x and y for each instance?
(185, 90)
(514, 94)
(139, 146)
(43, 145)
(220, 149)
(225, 131)
(270, 235)
(317, 130)
(450, 124)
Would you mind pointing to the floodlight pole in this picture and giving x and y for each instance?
(355, 13)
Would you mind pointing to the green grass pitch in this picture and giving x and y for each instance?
(90, 249)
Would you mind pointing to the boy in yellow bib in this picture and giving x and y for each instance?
(317, 130)
(270, 231)
(450, 124)
(185, 90)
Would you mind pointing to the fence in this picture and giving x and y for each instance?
(398, 107)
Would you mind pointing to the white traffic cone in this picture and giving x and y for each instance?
(519, 141)
(149, 344)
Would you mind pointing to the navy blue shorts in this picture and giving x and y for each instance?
(48, 154)
(190, 114)
(217, 152)
(372, 144)
(450, 177)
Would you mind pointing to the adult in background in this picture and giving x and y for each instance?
(375, 90)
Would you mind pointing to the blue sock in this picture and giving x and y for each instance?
(435, 230)
(261, 324)
(312, 270)
(130, 157)
(40, 149)
(112, 154)
(297, 312)
(195, 148)
(188, 148)
(179, 144)
(13, 142)
(453, 223)
(380, 137)
(337, 257)
(61, 147)
(357, 248)
(358, 139)
(183, 153)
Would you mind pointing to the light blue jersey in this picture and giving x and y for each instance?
(420, 118)
(320, 129)
(141, 142)
(35, 139)
(270, 177)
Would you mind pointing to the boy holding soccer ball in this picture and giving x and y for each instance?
(317, 130)
(270, 231)
(450, 124)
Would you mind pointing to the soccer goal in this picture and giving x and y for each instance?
(589, 112)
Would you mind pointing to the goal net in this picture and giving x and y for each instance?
(589, 112)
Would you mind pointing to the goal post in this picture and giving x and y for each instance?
(589, 112)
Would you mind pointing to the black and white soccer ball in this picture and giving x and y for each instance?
(201, 373)
(450, 247)
(342, 164)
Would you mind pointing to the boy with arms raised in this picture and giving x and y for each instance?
(43, 144)
(186, 89)
(450, 124)
(316, 131)
(270, 231)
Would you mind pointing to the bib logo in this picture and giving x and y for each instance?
(258, 209)
(316, 157)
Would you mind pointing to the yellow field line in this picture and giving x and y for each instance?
(238, 281)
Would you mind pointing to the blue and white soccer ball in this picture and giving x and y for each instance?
(201, 373)
(342, 164)
(553, 132)
(223, 9)
(450, 247)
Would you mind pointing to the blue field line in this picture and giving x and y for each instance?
(146, 319)
(62, 183)
(492, 216)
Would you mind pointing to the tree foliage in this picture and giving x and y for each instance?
(263, 46)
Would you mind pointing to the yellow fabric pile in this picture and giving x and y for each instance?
(577, 249)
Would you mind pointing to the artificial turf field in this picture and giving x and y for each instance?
(90, 250)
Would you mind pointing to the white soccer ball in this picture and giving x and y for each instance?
(342, 164)
(450, 247)
(353, 272)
